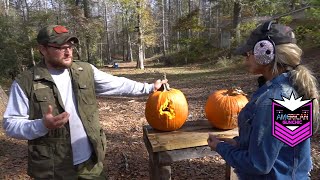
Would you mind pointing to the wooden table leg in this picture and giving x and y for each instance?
(230, 174)
(157, 171)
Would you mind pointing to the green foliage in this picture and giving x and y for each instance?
(149, 25)
(253, 8)
(195, 50)
(224, 62)
(189, 22)
(285, 20)
(308, 31)
(314, 13)
(88, 30)
(14, 46)
(246, 29)
(315, 2)
(308, 34)
(18, 34)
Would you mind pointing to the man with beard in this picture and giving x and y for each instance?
(53, 105)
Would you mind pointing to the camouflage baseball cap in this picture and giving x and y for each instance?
(55, 34)
(278, 33)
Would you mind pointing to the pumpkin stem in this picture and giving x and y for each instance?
(235, 91)
(165, 86)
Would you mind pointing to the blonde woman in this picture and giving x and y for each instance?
(256, 154)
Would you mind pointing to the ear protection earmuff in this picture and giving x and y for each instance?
(264, 49)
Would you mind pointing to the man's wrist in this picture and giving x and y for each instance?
(44, 124)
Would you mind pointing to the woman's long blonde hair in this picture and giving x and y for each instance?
(289, 56)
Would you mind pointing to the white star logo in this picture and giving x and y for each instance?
(293, 103)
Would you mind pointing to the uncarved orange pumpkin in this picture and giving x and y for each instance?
(223, 106)
(166, 109)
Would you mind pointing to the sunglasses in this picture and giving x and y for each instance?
(61, 48)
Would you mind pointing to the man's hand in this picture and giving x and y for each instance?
(53, 122)
(159, 83)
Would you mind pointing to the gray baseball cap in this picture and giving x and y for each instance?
(55, 34)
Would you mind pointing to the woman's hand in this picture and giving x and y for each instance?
(229, 141)
(213, 141)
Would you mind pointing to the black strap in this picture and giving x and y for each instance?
(266, 26)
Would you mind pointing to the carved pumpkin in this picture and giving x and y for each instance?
(166, 109)
(223, 106)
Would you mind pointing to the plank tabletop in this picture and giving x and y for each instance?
(191, 134)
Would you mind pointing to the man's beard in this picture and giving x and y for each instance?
(57, 64)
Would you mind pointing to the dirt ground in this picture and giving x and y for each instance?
(123, 117)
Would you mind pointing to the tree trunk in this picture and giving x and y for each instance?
(140, 37)
(59, 13)
(88, 49)
(189, 11)
(210, 21)
(26, 22)
(199, 18)
(178, 15)
(292, 5)
(115, 41)
(236, 25)
(163, 28)
(144, 52)
(236, 20)
(169, 29)
(101, 56)
(6, 7)
(141, 55)
(108, 52)
(124, 41)
(32, 54)
(218, 33)
(129, 51)
(86, 10)
(189, 32)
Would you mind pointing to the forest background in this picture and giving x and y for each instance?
(170, 31)
(191, 40)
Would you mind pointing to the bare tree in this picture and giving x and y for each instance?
(169, 24)
(108, 52)
(129, 44)
(179, 13)
(140, 37)
(163, 3)
(86, 10)
(236, 19)
(6, 7)
(26, 22)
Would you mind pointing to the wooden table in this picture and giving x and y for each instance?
(189, 142)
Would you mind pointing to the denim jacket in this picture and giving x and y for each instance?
(259, 155)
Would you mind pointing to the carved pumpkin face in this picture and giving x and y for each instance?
(223, 106)
(166, 110)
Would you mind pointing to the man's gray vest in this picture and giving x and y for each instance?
(50, 156)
